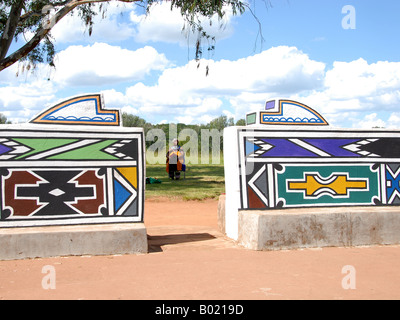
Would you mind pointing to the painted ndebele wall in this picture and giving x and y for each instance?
(72, 164)
(289, 157)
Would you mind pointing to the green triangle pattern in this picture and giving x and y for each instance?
(40, 144)
(91, 152)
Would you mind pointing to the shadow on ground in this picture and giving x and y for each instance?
(155, 243)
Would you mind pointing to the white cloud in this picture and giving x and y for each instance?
(394, 120)
(208, 109)
(100, 64)
(373, 84)
(122, 22)
(113, 97)
(165, 25)
(371, 121)
(20, 102)
(110, 28)
(187, 92)
(349, 94)
(354, 93)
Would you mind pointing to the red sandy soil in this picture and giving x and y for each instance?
(190, 259)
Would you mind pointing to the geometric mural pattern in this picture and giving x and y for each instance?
(320, 168)
(323, 147)
(71, 192)
(55, 175)
(43, 192)
(91, 179)
(32, 149)
(392, 175)
(81, 110)
(287, 112)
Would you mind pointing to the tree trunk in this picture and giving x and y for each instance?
(11, 26)
(40, 34)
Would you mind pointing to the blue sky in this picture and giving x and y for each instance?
(145, 66)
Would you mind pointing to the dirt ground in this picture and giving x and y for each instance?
(190, 259)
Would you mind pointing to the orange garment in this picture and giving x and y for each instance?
(176, 156)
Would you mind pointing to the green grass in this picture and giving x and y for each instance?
(201, 182)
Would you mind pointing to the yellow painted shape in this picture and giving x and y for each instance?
(340, 185)
(130, 174)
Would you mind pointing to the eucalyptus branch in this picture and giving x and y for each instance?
(40, 16)
(43, 30)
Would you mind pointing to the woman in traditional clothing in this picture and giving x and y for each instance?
(175, 160)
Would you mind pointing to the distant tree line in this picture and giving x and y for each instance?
(3, 119)
(174, 130)
(200, 137)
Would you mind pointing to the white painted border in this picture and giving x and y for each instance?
(54, 131)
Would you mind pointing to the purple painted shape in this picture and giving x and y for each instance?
(270, 105)
(285, 148)
(334, 146)
(4, 149)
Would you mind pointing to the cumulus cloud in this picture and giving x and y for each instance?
(101, 63)
(122, 21)
(111, 27)
(370, 121)
(187, 92)
(394, 120)
(165, 25)
(343, 93)
(21, 101)
(374, 85)
(93, 65)
(374, 120)
(348, 94)
(352, 89)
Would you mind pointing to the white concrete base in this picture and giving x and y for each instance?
(221, 213)
(319, 227)
(101, 239)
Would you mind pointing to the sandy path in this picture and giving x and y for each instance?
(190, 259)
